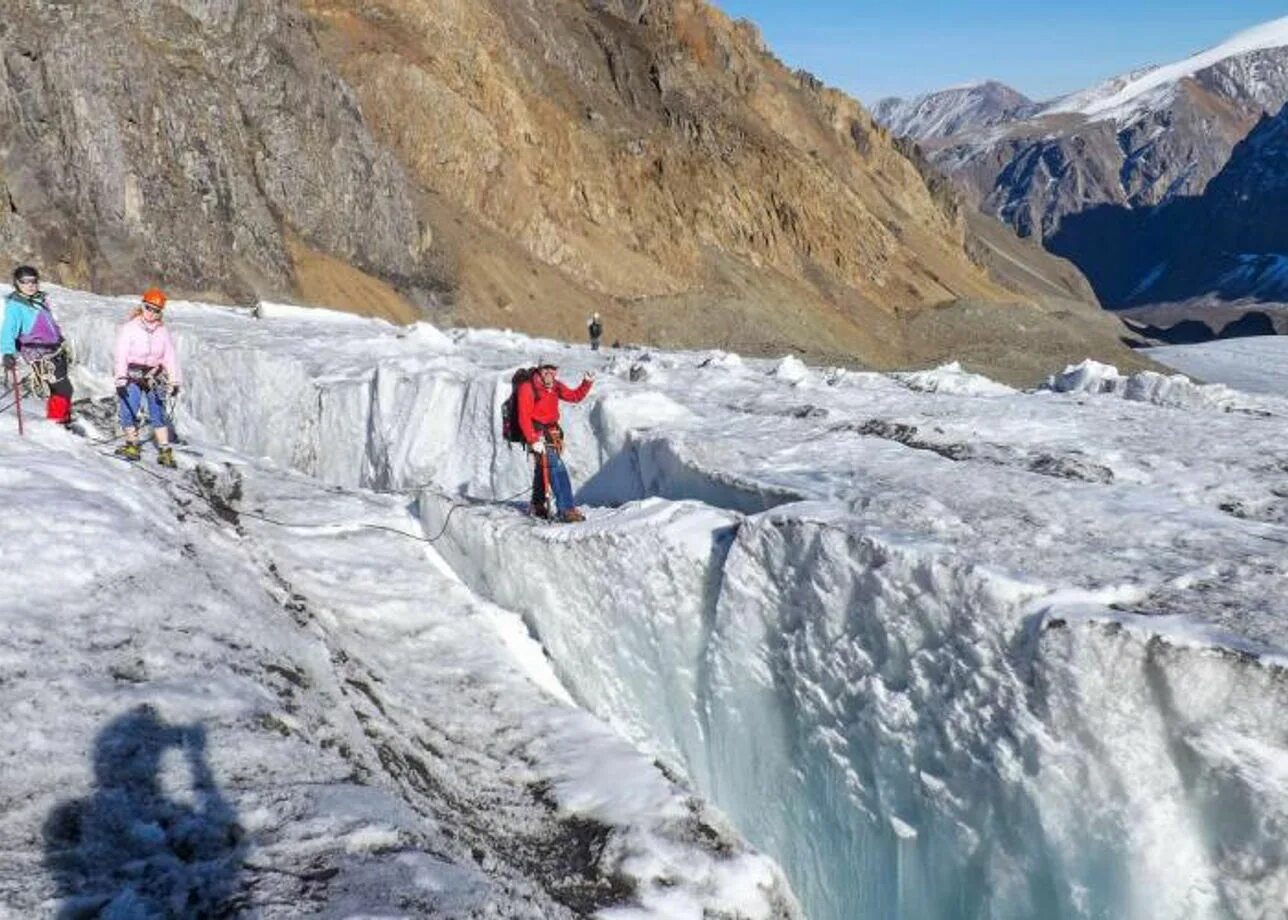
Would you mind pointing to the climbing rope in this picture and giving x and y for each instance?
(44, 370)
(301, 525)
(13, 385)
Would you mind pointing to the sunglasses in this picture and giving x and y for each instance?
(148, 308)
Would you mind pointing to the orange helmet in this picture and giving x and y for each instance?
(155, 297)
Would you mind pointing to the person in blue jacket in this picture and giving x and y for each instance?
(30, 330)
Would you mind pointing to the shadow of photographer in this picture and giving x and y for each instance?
(132, 850)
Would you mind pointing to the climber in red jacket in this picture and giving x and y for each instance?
(538, 411)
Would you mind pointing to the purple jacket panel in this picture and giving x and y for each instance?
(44, 332)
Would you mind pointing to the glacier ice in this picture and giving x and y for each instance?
(940, 648)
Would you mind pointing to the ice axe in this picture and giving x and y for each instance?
(17, 397)
(545, 478)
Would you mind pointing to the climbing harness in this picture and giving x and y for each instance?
(147, 376)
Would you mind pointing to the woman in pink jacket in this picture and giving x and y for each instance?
(146, 363)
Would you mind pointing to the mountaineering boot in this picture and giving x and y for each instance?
(572, 516)
(129, 452)
(165, 457)
(538, 511)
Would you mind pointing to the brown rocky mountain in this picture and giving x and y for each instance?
(502, 162)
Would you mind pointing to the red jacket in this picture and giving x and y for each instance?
(537, 404)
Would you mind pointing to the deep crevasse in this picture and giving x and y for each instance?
(911, 736)
(882, 700)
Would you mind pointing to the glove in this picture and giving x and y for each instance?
(590, 375)
(538, 447)
(122, 390)
(10, 362)
(174, 389)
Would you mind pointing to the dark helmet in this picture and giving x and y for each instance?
(25, 271)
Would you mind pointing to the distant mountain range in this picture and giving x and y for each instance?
(1161, 184)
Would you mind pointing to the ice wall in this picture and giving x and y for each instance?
(582, 590)
(908, 734)
(976, 747)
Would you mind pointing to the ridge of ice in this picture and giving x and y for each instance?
(1172, 390)
(791, 369)
(953, 378)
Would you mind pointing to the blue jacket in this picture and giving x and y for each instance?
(27, 321)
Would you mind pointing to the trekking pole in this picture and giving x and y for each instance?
(171, 410)
(17, 398)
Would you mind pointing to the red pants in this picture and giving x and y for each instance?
(58, 408)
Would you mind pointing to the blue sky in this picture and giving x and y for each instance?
(904, 47)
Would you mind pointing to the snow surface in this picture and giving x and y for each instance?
(1258, 364)
(1121, 96)
(939, 647)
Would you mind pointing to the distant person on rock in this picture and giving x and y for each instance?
(147, 366)
(538, 412)
(31, 333)
(595, 329)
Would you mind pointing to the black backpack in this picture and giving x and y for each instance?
(510, 430)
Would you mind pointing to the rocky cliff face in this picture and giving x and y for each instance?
(206, 145)
(513, 162)
(644, 152)
(1228, 244)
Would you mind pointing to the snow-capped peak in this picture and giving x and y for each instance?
(949, 111)
(1116, 96)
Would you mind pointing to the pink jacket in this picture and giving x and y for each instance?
(148, 344)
